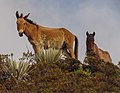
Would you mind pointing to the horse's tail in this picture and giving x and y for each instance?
(76, 47)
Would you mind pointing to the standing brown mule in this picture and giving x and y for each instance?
(44, 37)
(92, 47)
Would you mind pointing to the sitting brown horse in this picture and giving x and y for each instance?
(93, 48)
(44, 37)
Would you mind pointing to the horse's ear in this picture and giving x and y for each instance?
(93, 33)
(87, 33)
(21, 15)
(25, 17)
(17, 14)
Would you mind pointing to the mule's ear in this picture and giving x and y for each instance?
(93, 33)
(21, 15)
(87, 33)
(25, 17)
(17, 14)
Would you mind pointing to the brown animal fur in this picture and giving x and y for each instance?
(92, 47)
(44, 37)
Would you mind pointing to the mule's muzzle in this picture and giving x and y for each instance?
(20, 34)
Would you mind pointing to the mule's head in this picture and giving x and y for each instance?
(90, 41)
(21, 23)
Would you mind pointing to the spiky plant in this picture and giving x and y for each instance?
(48, 55)
(28, 56)
(17, 70)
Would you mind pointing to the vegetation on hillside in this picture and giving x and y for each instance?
(49, 73)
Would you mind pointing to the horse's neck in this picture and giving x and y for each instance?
(95, 48)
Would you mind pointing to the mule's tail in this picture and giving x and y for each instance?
(76, 47)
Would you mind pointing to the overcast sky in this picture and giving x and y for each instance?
(78, 16)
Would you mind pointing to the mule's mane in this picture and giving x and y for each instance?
(30, 21)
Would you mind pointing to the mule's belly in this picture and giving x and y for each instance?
(54, 42)
(53, 39)
(45, 42)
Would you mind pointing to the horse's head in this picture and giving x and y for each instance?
(90, 41)
(21, 23)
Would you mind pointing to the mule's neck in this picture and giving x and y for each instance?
(30, 30)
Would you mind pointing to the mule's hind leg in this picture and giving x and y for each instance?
(65, 49)
(68, 50)
(72, 53)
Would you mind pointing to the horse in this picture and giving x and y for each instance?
(44, 37)
(93, 48)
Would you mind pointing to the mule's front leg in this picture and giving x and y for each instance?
(37, 50)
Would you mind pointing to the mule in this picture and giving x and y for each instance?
(44, 37)
(93, 48)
